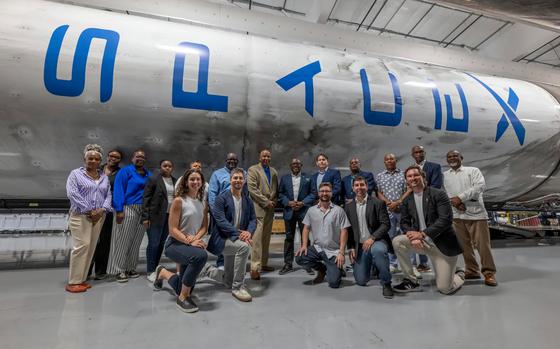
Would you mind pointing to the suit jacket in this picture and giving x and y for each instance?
(286, 193)
(434, 176)
(377, 220)
(333, 177)
(438, 217)
(260, 190)
(348, 181)
(154, 201)
(224, 218)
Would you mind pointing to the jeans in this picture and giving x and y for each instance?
(395, 219)
(191, 259)
(320, 262)
(377, 255)
(157, 234)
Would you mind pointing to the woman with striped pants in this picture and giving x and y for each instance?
(128, 231)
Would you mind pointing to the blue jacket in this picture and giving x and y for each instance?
(434, 175)
(286, 193)
(224, 216)
(129, 187)
(347, 190)
(333, 177)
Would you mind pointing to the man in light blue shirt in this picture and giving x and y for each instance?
(219, 181)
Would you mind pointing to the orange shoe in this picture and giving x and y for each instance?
(86, 285)
(76, 288)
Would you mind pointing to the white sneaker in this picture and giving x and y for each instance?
(416, 273)
(394, 269)
(242, 294)
(152, 277)
(222, 268)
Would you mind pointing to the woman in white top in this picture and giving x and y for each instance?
(158, 196)
(188, 222)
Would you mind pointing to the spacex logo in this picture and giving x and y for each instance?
(509, 107)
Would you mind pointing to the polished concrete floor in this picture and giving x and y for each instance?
(522, 312)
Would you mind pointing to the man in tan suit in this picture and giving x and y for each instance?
(262, 182)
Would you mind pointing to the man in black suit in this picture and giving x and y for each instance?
(426, 223)
(295, 194)
(368, 238)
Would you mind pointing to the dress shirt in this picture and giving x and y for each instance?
(86, 194)
(267, 172)
(468, 184)
(326, 227)
(362, 221)
(320, 177)
(296, 180)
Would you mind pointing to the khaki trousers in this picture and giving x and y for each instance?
(84, 239)
(444, 266)
(474, 234)
(261, 240)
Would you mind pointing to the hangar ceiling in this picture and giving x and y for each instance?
(521, 30)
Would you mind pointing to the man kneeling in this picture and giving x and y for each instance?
(368, 238)
(328, 223)
(426, 223)
(235, 223)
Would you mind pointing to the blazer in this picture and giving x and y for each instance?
(438, 217)
(260, 190)
(434, 176)
(348, 181)
(286, 194)
(224, 217)
(333, 177)
(377, 220)
(154, 201)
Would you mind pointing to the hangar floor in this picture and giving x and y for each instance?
(522, 312)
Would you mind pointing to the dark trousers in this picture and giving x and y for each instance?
(103, 247)
(157, 234)
(320, 262)
(290, 226)
(191, 259)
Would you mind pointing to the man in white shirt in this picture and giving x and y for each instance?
(328, 222)
(464, 186)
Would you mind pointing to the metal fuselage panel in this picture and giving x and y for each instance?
(43, 132)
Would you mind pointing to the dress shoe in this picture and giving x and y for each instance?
(76, 288)
(388, 291)
(318, 279)
(423, 268)
(266, 268)
(86, 285)
(287, 268)
(472, 276)
(490, 280)
(255, 275)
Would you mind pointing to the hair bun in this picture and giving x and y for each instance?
(93, 148)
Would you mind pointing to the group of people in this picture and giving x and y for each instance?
(381, 222)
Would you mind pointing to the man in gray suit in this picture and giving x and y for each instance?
(368, 237)
(262, 182)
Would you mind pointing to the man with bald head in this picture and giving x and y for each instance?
(392, 190)
(295, 194)
(348, 194)
(465, 186)
(262, 182)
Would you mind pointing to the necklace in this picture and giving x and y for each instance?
(94, 177)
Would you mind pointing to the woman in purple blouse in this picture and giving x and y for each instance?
(89, 192)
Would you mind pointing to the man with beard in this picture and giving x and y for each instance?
(426, 223)
(465, 186)
(329, 224)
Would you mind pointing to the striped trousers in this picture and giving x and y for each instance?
(125, 241)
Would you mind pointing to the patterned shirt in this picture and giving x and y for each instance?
(86, 194)
(392, 185)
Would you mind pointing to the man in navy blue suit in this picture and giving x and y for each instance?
(235, 223)
(434, 178)
(347, 182)
(325, 174)
(296, 196)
